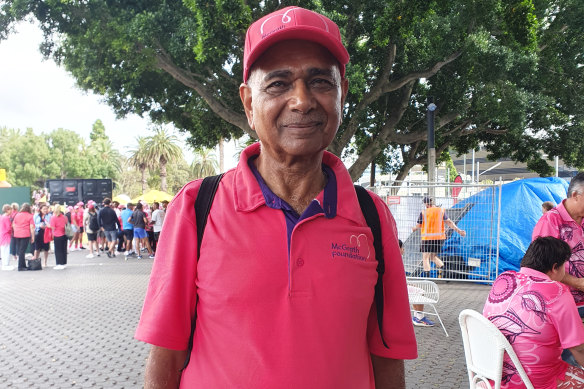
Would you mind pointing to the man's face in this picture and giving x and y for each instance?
(577, 203)
(294, 98)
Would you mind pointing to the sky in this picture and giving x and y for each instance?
(36, 93)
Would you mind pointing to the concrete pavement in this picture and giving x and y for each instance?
(74, 328)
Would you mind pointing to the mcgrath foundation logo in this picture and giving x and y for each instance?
(357, 248)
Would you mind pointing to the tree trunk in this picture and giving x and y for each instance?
(143, 171)
(163, 175)
(221, 155)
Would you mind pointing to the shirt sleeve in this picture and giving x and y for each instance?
(567, 321)
(546, 226)
(398, 330)
(171, 297)
(420, 218)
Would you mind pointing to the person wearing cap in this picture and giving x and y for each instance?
(432, 221)
(283, 285)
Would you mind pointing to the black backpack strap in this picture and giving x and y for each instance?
(202, 208)
(372, 218)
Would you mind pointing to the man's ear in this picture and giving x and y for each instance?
(246, 99)
(344, 91)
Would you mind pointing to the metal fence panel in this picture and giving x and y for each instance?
(465, 205)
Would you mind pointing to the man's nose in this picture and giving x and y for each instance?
(302, 98)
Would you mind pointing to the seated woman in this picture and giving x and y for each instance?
(538, 316)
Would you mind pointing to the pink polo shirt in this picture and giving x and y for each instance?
(269, 315)
(539, 318)
(559, 224)
(58, 224)
(5, 230)
(22, 223)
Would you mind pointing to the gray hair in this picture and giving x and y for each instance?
(576, 185)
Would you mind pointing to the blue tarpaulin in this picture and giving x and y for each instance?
(520, 210)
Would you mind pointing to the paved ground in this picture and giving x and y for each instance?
(74, 328)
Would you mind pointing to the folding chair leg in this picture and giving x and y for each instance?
(439, 319)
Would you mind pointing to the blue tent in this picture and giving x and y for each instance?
(520, 210)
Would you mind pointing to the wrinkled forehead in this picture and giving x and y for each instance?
(284, 56)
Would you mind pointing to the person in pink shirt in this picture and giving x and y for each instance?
(566, 222)
(5, 236)
(58, 222)
(77, 224)
(283, 287)
(23, 227)
(539, 318)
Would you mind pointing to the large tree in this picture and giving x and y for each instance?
(506, 73)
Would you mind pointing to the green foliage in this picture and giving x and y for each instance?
(31, 159)
(98, 131)
(447, 159)
(504, 73)
(205, 163)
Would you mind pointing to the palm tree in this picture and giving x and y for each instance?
(161, 149)
(140, 159)
(204, 164)
(108, 157)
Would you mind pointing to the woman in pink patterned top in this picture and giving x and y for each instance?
(538, 316)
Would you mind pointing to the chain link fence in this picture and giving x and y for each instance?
(473, 257)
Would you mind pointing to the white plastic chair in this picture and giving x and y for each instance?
(484, 348)
(427, 294)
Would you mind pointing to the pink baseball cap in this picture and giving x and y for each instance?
(292, 23)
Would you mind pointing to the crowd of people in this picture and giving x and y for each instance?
(110, 228)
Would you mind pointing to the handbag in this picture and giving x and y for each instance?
(48, 235)
(34, 264)
(69, 231)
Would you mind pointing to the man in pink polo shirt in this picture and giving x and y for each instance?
(565, 222)
(537, 315)
(284, 282)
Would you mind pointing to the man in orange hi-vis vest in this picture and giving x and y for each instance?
(432, 221)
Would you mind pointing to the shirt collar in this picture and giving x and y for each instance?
(534, 273)
(561, 208)
(248, 194)
(327, 198)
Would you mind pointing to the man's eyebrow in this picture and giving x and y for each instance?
(277, 74)
(320, 72)
(287, 73)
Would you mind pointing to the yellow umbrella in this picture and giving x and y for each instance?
(122, 198)
(152, 196)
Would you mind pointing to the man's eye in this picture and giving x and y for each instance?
(276, 85)
(322, 83)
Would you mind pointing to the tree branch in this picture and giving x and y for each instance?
(384, 137)
(382, 87)
(164, 62)
(396, 84)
